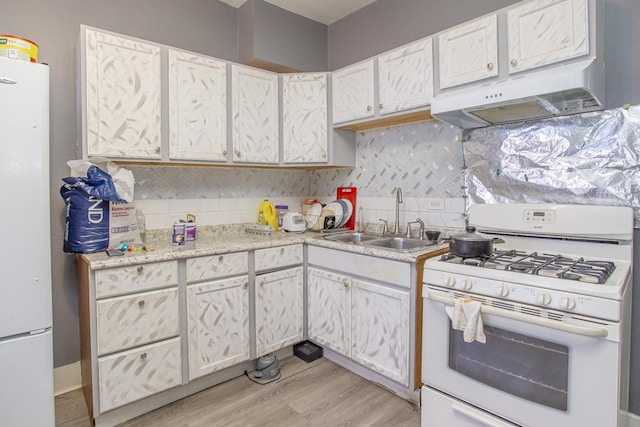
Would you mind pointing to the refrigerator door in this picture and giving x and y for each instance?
(26, 370)
(25, 285)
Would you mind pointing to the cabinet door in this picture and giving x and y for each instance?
(329, 310)
(405, 77)
(304, 118)
(122, 96)
(255, 115)
(469, 52)
(542, 32)
(197, 107)
(380, 320)
(352, 92)
(279, 310)
(218, 325)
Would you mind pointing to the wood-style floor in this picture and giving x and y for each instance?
(307, 394)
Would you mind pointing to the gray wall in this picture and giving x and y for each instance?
(386, 24)
(269, 33)
(203, 26)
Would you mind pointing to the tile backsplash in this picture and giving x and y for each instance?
(423, 159)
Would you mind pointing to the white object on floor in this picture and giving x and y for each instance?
(465, 316)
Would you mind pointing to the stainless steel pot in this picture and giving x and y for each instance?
(472, 244)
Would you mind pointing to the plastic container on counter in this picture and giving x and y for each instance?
(281, 210)
(267, 214)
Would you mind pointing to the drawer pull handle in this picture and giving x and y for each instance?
(514, 62)
(346, 285)
(140, 269)
(143, 356)
(246, 284)
(281, 251)
(141, 303)
(490, 66)
(220, 258)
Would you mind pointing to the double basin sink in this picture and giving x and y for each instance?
(401, 244)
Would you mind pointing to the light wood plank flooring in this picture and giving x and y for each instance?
(315, 394)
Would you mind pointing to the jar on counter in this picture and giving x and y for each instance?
(281, 210)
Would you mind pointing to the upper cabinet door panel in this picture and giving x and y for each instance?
(353, 92)
(406, 77)
(469, 52)
(197, 107)
(255, 116)
(122, 92)
(304, 118)
(542, 32)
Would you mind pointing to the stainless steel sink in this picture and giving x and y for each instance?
(352, 237)
(403, 244)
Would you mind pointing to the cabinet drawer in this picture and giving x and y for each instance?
(133, 320)
(211, 267)
(135, 374)
(135, 278)
(281, 256)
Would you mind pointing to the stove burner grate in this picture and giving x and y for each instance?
(550, 265)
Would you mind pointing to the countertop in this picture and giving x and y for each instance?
(163, 250)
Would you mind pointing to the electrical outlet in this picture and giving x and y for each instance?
(435, 204)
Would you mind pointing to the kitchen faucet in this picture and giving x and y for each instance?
(396, 226)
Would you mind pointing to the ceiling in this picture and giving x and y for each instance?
(325, 11)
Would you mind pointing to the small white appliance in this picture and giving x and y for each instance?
(26, 349)
(294, 222)
(556, 306)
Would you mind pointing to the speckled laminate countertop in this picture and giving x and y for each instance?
(163, 250)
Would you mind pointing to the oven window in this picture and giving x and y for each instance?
(520, 365)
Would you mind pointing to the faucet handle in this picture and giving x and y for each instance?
(408, 233)
(385, 225)
(421, 222)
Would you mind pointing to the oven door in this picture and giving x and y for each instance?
(533, 371)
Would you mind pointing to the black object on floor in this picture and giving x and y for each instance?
(307, 351)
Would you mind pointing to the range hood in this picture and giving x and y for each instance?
(572, 88)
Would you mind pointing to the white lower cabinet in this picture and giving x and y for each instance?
(217, 325)
(368, 322)
(329, 309)
(131, 375)
(279, 310)
(380, 329)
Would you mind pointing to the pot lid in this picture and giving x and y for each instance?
(471, 236)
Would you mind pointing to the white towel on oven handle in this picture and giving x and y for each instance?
(465, 316)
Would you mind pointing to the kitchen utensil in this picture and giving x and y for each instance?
(327, 219)
(432, 235)
(336, 208)
(471, 244)
(294, 222)
(350, 194)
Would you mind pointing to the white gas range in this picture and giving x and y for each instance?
(556, 305)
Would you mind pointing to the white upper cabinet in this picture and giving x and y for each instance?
(255, 115)
(405, 77)
(352, 91)
(304, 118)
(542, 32)
(121, 97)
(469, 52)
(197, 107)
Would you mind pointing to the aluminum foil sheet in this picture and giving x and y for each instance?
(592, 158)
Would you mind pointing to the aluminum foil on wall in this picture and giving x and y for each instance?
(592, 158)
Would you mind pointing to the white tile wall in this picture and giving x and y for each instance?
(424, 159)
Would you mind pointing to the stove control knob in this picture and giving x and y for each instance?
(450, 281)
(502, 290)
(567, 303)
(467, 284)
(543, 298)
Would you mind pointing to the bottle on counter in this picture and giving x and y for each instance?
(267, 214)
(281, 210)
(141, 225)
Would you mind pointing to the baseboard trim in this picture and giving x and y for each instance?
(67, 378)
(633, 420)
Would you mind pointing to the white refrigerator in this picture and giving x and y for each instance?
(26, 345)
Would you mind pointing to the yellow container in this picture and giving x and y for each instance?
(17, 48)
(267, 214)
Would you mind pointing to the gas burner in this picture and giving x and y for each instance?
(550, 265)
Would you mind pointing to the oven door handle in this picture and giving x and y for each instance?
(478, 416)
(547, 323)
